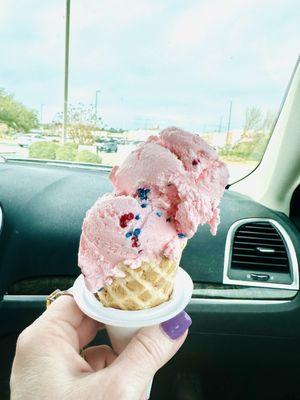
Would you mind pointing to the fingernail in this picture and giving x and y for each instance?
(176, 326)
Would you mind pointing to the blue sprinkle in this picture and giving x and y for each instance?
(128, 234)
(143, 205)
(137, 216)
(159, 213)
(136, 232)
(143, 193)
(181, 235)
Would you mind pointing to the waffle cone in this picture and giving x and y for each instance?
(147, 286)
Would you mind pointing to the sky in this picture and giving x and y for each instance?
(155, 62)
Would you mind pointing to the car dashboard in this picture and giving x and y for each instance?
(245, 301)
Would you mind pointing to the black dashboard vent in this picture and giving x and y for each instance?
(260, 252)
(259, 246)
(1, 219)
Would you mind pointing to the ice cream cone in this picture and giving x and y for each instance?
(122, 325)
(147, 286)
(163, 191)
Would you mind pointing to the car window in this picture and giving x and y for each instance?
(218, 69)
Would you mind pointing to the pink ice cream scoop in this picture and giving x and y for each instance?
(184, 175)
(163, 191)
(121, 229)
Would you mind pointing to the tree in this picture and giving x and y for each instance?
(15, 115)
(253, 119)
(252, 149)
(252, 146)
(82, 122)
(269, 121)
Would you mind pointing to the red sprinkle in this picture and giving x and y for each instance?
(125, 218)
(195, 162)
(135, 241)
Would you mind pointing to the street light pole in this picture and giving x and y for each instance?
(228, 136)
(220, 125)
(66, 77)
(96, 104)
(41, 113)
(229, 117)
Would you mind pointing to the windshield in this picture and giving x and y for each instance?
(215, 68)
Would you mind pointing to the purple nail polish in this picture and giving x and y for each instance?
(176, 326)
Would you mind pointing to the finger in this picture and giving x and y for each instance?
(65, 320)
(99, 357)
(149, 350)
(87, 331)
(65, 308)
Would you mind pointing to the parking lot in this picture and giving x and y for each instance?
(8, 149)
(236, 169)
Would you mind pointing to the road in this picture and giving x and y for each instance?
(236, 169)
(12, 149)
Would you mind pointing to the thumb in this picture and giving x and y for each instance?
(149, 350)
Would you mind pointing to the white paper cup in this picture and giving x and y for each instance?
(122, 325)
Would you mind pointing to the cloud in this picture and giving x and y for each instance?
(215, 37)
(4, 11)
(212, 21)
(131, 118)
(162, 60)
(115, 15)
(278, 59)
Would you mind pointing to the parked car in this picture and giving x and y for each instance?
(110, 146)
(120, 141)
(27, 139)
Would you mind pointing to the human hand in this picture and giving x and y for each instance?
(48, 365)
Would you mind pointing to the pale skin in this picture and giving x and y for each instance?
(48, 365)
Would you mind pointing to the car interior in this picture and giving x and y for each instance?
(244, 342)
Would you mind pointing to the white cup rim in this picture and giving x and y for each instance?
(90, 306)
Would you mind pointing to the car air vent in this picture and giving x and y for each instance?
(1, 219)
(258, 245)
(259, 252)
